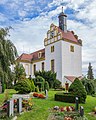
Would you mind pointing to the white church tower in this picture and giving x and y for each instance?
(63, 51)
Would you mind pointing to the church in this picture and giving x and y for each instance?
(62, 53)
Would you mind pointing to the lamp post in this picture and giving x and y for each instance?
(77, 103)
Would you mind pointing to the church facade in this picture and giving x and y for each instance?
(62, 53)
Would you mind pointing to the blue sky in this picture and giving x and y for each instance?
(31, 19)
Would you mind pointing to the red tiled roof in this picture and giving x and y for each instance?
(69, 35)
(72, 78)
(32, 56)
(35, 54)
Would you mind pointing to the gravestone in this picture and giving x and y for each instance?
(81, 111)
(46, 93)
(10, 107)
(19, 105)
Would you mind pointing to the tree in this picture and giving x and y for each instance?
(19, 72)
(8, 53)
(49, 76)
(77, 89)
(89, 86)
(90, 72)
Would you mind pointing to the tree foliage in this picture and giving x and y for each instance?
(90, 72)
(57, 84)
(39, 81)
(77, 88)
(49, 76)
(19, 72)
(8, 54)
(25, 86)
(89, 86)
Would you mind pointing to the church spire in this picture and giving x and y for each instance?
(63, 21)
(62, 9)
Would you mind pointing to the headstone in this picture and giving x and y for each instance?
(10, 107)
(77, 103)
(81, 111)
(19, 105)
(46, 93)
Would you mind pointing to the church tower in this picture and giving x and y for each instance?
(63, 21)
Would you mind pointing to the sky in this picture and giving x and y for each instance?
(31, 19)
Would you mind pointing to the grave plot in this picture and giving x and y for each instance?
(15, 106)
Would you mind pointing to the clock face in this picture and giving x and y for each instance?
(52, 34)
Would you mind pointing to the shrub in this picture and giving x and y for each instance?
(46, 86)
(24, 86)
(57, 84)
(39, 81)
(35, 94)
(65, 97)
(49, 76)
(77, 89)
(37, 89)
(32, 85)
(89, 86)
(6, 95)
(41, 96)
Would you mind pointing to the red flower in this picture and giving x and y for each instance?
(41, 96)
(35, 94)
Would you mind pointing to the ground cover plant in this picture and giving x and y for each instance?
(41, 108)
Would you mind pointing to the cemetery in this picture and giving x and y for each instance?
(27, 106)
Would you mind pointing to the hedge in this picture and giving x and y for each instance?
(66, 97)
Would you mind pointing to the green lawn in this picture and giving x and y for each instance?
(42, 107)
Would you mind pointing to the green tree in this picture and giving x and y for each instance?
(90, 72)
(89, 85)
(49, 76)
(77, 89)
(8, 54)
(19, 72)
(57, 84)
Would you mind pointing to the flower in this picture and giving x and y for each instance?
(56, 108)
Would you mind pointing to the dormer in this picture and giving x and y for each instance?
(39, 54)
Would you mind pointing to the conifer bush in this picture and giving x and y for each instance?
(24, 86)
(77, 89)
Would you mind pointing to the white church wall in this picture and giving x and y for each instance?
(56, 55)
(38, 66)
(27, 67)
(71, 61)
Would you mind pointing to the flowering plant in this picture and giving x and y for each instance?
(66, 108)
(38, 95)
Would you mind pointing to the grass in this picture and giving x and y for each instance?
(41, 108)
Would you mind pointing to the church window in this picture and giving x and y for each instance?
(52, 48)
(72, 48)
(34, 68)
(39, 55)
(42, 66)
(52, 65)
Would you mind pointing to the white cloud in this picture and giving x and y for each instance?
(2, 17)
(29, 34)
